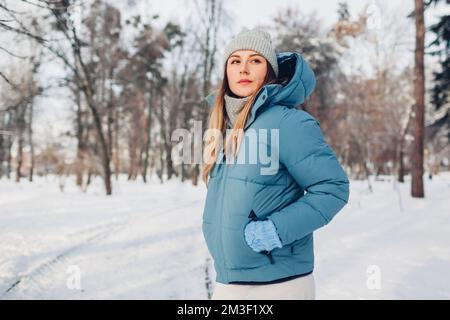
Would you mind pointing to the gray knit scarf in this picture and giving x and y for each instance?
(233, 106)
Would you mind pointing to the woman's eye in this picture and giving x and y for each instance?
(255, 60)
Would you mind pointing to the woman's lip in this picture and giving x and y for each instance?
(245, 82)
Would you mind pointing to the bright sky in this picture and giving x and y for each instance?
(249, 13)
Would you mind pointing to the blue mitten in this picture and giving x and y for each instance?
(262, 236)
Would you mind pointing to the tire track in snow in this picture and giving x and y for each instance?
(94, 236)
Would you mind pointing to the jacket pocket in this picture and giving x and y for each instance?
(254, 217)
(285, 251)
(305, 243)
(293, 248)
(237, 253)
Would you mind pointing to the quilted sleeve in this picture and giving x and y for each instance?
(314, 166)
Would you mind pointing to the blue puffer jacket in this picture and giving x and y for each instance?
(239, 192)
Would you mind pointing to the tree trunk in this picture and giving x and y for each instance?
(110, 113)
(169, 162)
(89, 92)
(132, 147)
(9, 157)
(194, 174)
(30, 141)
(149, 134)
(161, 160)
(103, 149)
(116, 155)
(419, 106)
(20, 122)
(79, 167)
(401, 165)
(2, 153)
(19, 156)
(401, 156)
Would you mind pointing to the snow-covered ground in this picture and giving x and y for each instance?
(145, 242)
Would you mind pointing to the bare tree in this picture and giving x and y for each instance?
(85, 77)
(17, 116)
(10, 22)
(303, 33)
(211, 13)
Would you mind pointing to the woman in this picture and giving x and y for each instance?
(258, 225)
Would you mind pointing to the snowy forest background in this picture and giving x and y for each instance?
(91, 92)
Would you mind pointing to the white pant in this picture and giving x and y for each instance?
(302, 288)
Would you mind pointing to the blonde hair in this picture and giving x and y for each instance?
(217, 123)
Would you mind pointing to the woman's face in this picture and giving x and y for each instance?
(245, 65)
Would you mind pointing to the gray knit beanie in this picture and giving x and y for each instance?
(255, 39)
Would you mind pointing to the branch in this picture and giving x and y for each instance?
(35, 4)
(61, 56)
(12, 54)
(6, 79)
(8, 10)
(25, 32)
(200, 13)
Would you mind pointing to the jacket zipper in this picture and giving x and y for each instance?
(225, 172)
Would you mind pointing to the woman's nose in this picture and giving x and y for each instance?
(244, 68)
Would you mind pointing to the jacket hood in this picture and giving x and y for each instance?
(300, 84)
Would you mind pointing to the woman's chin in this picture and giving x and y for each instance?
(243, 93)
